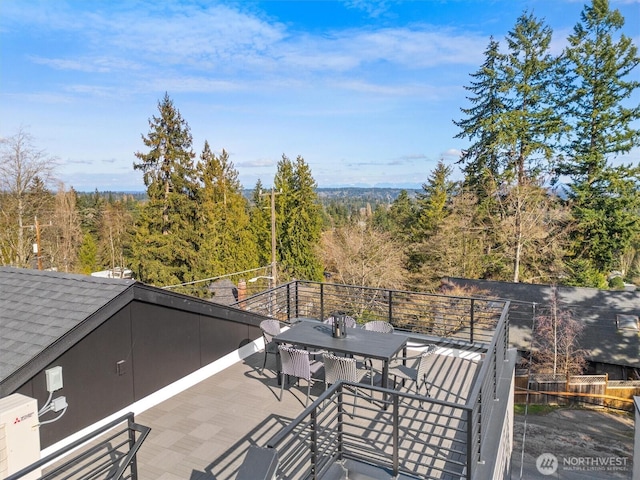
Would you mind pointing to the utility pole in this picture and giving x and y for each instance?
(38, 256)
(36, 246)
(273, 282)
(274, 274)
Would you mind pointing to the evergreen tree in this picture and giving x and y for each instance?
(604, 198)
(481, 125)
(88, 254)
(433, 200)
(227, 243)
(165, 244)
(402, 217)
(299, 220)
(459, 248)
(529, 124)
(260, 226)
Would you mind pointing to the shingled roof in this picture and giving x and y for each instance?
(598, 310)
(43, 313)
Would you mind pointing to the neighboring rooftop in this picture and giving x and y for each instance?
(607, 315)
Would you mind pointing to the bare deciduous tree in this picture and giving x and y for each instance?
(65, 234)
(114, 225)
(555, 347)
(24, 171)
(532, 229)
(358, 254)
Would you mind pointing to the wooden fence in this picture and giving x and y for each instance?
(584, 390)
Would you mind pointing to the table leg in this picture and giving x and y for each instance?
(385, 374)
(385, 382)
(278, 367)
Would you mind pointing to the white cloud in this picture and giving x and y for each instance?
(452, 154)
(217, 48)
(259, 163)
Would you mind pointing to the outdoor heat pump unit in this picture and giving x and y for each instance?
(19, 435)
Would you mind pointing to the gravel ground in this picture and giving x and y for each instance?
(573, 444)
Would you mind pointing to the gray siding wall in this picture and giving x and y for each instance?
(157, 345)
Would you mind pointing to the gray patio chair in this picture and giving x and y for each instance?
(296, 363)
(416, 373)
(343, 368)
(270, 328)
(350, 322)
(378, 326)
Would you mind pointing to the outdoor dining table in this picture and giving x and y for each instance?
(360, 342)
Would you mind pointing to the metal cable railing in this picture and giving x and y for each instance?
(414, 436)
(464, 318)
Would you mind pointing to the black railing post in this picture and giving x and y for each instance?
(340, 422)
(133, 466)
(506, 334)
(314, 444)
(396, 435)
(495, 372)
(479, 442)
(469, 443)
(472, 318)
(390, 307)
(322, 301)
(289, 302)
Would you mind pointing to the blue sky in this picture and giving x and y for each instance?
(366, 91)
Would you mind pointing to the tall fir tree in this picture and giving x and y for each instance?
(434, 199)
(432, 207)
(227, 243)
(481, 125)
(529, 126)
(299, 220)
(604, 198)
(402, 217)
(260, 225)
(165, 244)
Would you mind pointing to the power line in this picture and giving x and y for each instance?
(218, 277)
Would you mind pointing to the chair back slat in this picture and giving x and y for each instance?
(339, 368)
(270, 329)
(295, 362)
(378, 326)
(350, 322)
(422, 366)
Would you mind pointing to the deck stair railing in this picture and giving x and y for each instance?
(106, 453)
(413, 436)
(465, 318)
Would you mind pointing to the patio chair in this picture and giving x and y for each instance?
(296, 363)
(343, 368)
(350, 322)
(417, 373)
(378, 326)
(270, 328)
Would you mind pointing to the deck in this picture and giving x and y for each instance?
(204, 432)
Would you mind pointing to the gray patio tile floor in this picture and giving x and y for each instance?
(204, 432)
